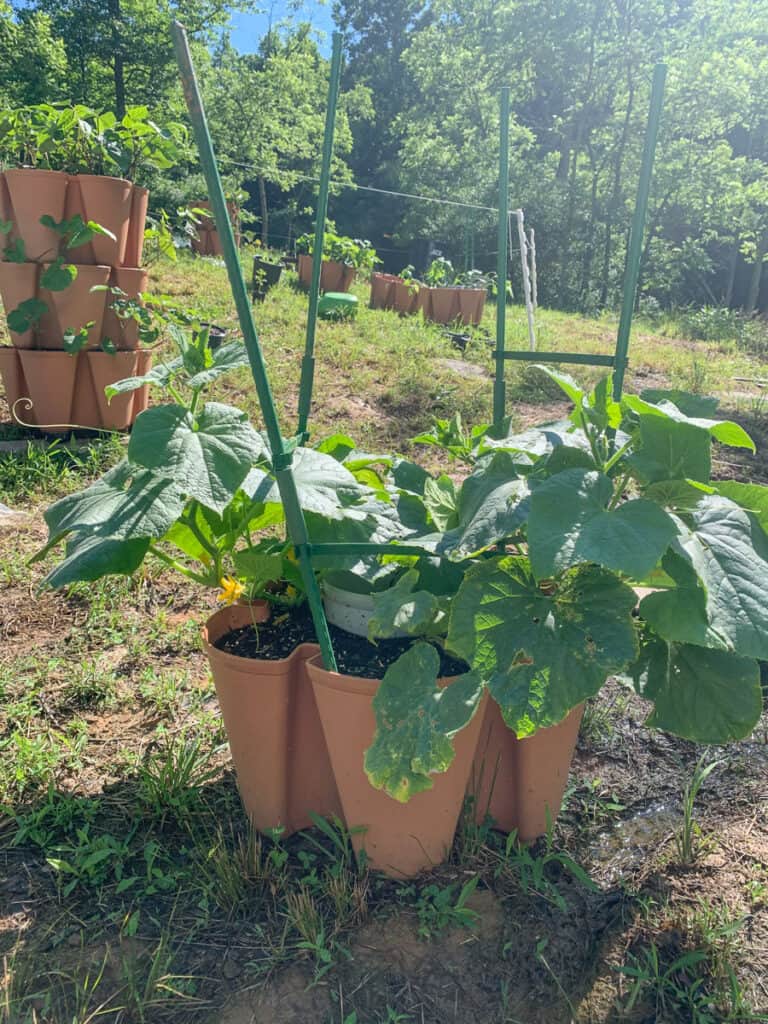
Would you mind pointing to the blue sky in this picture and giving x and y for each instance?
(247, 29)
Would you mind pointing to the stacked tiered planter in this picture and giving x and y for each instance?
(446, 305)
(64, 390)
(207, 242)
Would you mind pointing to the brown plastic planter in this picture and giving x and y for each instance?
(382, 290)
(107, 201)
(85, 406)
(32, 193)
(404, 298)
(519, 782)
(471, 305)
(277, 743)
(14, 384)
(124, 333)
(424, 301)
(141, 396)
(106, 368)
(50, 381)
(444, 305)
(135, 243)
(399, 839)
(334, 276)
(74, 307)
(18, 282)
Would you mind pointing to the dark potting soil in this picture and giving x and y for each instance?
(355, 656)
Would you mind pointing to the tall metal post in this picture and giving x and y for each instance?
(281, 454)
(308, 362)
(635, 248)
(499, 386)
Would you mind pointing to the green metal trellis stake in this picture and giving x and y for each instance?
(308, 362)
(635, 248)
(499, 386)
(281, 452)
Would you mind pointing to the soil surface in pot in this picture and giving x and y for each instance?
(355, 656)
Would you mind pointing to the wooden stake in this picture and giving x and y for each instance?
(526, 278)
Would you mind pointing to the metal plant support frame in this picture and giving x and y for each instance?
(283, 448)
(618, 361)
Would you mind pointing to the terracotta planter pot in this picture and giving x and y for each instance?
(208, 242)
(277, 743)
(135, 244)
(18, 282)
(304, 269)
(6, 212)
(107, 201)
(14, 384)
(124, 333)
(424, 302)
(85, 405)
(399, 839)
(517, 781)
(445, 305)
(74, 307)
(404, 299)
(106, 368)
(50, 380)
(471, 305)
(141, 396)
(382, 290)
(33, 193)
(74, 207)
(334, 276)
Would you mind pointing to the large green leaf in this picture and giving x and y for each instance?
(228, 357)
(89, 558)
(126, 502)
(672, 451)
(679, 613)
(702, 695)
(570, 523)
(324, 486)
(686, 402)
(752, 497)
(542, 651)
(440, 502)
(728, 551)
(402, 609)
(492, 505)
(209, 455)
(725, 431)
(160, 375)
(415, 721)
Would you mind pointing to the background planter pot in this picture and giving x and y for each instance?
(266, 275)
(347, 610)
(334, 276)
(208, 242)
(424, 301)
(444, 305)
(471, 305)
(404, 298)
(134, 245)
(18, 282)
(517, 781)
(399, 839)
(382, 290)
(32, 193)
(277, 743)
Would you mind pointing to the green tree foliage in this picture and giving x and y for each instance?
(33, 61)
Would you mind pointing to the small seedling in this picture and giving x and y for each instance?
(441, 908)
(690, 841)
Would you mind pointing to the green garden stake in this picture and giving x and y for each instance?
(308, 362)
(281, 453)
(499, 386)
(635, 248)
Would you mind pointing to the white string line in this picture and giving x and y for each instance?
(370, 188)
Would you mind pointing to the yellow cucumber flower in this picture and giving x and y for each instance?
(231, 590)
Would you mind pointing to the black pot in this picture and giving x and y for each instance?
(265, 276)
(216, 335)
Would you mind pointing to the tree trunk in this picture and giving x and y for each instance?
(757, 275)
(118, 57)
(733, 262)
(264, 212)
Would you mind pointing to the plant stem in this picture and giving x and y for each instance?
(174, 564)
(617, 455)
(619, 490)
